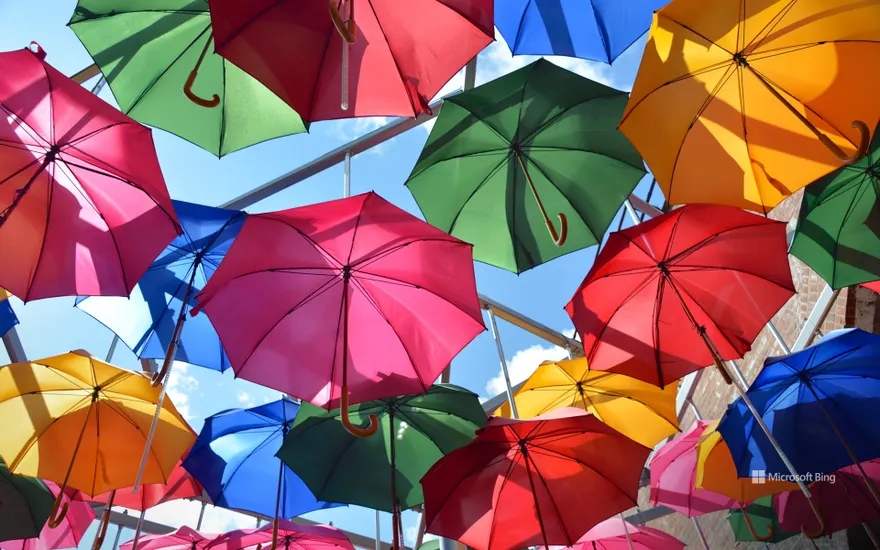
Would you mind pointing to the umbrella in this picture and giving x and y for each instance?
(716, 472)
(91, 416)
(8, 318)
(184, 538)
(68, 533)
(599, 30)
(670, 295)
(352, 299)
(821, 403)
(290, 536)
(673, 475)
(151, 321)
(738, 97)
(523, 482)
(617, 534)
(501, 156)
(25, 505)
(150, 52)
(837, 232)
(234, 460)
(110, 211)
(638, 410)
(400, 56)
(415, 431)
(761, 511)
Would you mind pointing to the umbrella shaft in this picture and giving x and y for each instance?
(629, 541)
(700, 534)
(153, 426)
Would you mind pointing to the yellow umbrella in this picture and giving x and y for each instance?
(81, 423)
(731, 97)
(716, 472)
(4, 294)
(641, 411)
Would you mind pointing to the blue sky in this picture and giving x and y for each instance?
(54, 326)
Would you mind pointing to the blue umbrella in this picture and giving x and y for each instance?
(7, 317)
(234, 460)
(821, 403)
(599, 30)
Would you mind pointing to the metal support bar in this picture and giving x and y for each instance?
(530, 325)
(13, 346)
(817, 316)
(86, 74)
(503, 362)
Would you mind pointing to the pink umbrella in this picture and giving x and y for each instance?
(185, 538)
(844, 503)
(348, 300)
(673, 475)
(68, 533)
(84, 209)
(616, 534)
(290, 535)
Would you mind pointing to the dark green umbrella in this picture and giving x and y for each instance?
(505, 156)
(25, 504)
(838, 231)
(762, 513)
(415, 431)
(158, 58)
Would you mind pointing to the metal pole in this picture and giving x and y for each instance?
(695, 410)
(119, 532)
(503, 361)
(778, 337)
(629, 541)
(346, 182)
(201, 516)
(378, 531)
(700, 534)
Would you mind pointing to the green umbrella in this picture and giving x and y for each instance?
(151, 50)
(433, 544)
(25, 504)
(415, 431)
(536, 141)
(762, 513)
(838, 232)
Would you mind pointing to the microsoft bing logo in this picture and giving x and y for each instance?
(761, 476)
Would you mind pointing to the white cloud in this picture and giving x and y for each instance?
(246, 399)
(524, 362)
(186, 512)
(411, 532)
(350, 129)
(180, 384)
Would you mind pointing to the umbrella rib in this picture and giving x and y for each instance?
(522, 20)
(688, 268)
(393, 58)
(382, 253)
(497, 502)
(612, 94)
(674, 285)
(596, 234)
(319, 494)
(505, 150)
(501, 164)
(769, 27)
(568, 536)
(584, 464)
(36, 437)
(846, 217)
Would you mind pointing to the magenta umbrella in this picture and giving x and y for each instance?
(345, 301)
(185, 538)
(673, 476)
(290, 535)
(618, 534)
(69, 531)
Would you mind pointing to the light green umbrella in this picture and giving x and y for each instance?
(158, 58)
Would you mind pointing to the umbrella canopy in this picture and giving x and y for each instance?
(82, 422)
(761, 512)
(8, 319)
(401, 55)
(180, 485)
(806, 398)
(147, 319)
(837, 233)
(843, 499)
(617, 534)
(502, 156)
(68, 533)
(599, 30)
(290, 537)
(149, 53)
(234, 460)
(730, 96)
(522, 482)
(640, 411)
(354, 295)
(26, 505)
(110, 213)
(666, 297)
(184, 538)
(673, 477)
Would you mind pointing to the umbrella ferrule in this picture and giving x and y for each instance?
(740, 59)
(346, 272)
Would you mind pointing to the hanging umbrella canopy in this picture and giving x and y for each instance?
(666, 297)
(599, 30)
(640, 411)
(8, 319)
(673, 477)
(506, 156)
(68, 533)
(180, 485)
(400, 57)
(840, 376)
(147, 319)
(618, 534)
(523, 482)
(26, 505)
(838, 234)
(761, 512)
(110, 212)
(737, 96)
(349, 296)
(184, 538)
(290, 537)
(149, 54)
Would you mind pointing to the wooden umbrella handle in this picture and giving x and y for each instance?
(346, 421)
(59, 510)
(819, 532)
(757, 537)
(346, 29)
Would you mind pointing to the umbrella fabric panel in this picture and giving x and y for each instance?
(27, 503)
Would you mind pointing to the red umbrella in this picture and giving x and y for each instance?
(546, 480)
(68, 532)
(402, 53)
(84, 209)
(353, 296)
(290, 536)
(668, 296)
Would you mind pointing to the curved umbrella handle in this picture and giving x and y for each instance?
(821, 531)
(56, 516)
(559, 239)
(755, 535)
(187, 90)
(346, 29)
(861, 151)
(160, 374)
(351, 428)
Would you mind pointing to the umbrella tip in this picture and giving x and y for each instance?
(82, 352)
(37, 50)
